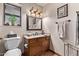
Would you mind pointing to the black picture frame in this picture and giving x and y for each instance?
(4, 5)
(62, 11)
(28, 22)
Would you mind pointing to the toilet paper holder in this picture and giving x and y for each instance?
(26, 45)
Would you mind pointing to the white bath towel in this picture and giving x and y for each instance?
(61, 30)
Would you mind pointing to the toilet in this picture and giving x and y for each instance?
(11, 45)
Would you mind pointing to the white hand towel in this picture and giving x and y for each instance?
(61, 30)
(64, 29)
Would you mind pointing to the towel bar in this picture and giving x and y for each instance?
(67, 20)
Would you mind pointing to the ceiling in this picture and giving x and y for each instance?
(42, 4)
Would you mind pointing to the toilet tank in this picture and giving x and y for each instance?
(12, 43)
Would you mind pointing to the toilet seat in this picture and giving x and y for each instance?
(13, 52)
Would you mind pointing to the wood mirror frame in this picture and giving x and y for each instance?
(28, 21)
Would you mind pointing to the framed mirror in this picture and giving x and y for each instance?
(34, 23)
(12, 15)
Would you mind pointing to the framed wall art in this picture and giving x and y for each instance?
(62, 11)
(12, 15)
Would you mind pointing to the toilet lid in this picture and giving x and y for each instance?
(13, 52)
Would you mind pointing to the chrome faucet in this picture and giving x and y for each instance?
(36, 33)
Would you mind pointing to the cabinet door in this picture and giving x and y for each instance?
(45, 44)
(35, 46)
(35, 51)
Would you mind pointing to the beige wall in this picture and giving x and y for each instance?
(20, 30)
(50, 17)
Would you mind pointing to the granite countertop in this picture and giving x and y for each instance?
(36, 36)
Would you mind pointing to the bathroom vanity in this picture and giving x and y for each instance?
(36, 45)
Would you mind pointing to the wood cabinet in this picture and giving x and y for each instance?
(37, 46)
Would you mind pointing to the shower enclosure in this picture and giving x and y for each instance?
(70, 49)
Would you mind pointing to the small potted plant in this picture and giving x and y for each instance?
(12, 19)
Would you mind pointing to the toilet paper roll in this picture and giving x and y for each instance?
(26, 45)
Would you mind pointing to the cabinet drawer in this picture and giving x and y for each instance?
(34, 43)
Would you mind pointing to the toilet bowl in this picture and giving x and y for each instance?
(11, 45)
(13, 52)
